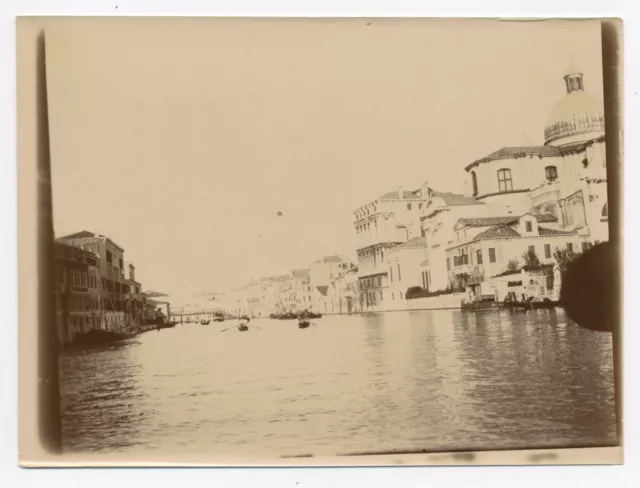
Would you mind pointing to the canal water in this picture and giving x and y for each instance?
(351, 384)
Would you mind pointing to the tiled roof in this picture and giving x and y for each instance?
(332, 259)
(508, 220)
(497, 231)
(543, 231)
(546, 218)
(395, 195)
(519, 151)
(452, 199)
(416, 242)
(488, 221)
(323, 290)
(301, 273)
(82, 233)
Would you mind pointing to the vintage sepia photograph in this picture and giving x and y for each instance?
(281, 240)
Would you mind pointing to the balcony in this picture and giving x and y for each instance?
(461, 264)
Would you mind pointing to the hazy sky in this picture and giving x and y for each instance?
(183, 139)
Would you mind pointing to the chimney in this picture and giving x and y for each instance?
(425, 189)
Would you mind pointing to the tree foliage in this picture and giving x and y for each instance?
(531, 260)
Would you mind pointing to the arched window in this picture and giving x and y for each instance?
(504, 180)
(605, 211)
(551, 173)
(474, 181)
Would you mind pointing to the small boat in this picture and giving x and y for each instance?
(303, 324)
(167, 325)
(478, 306)
(204, 322)
(243, 327)
(219, 319)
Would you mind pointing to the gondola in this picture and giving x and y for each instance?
(204, 322)
(303, 324)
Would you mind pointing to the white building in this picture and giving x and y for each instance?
(404, 272)
(381, 225)
(438, 219)
(488, 246)
(565, 177)
(321, 274)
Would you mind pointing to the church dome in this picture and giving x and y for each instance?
(578, 117)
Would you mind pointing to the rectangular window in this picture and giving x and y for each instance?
(408, 206)
(424, 280)
(423, 232)
(379, 281)
(479, 256)
(84, 279)
(532, 249)
(547, 251)
(492, 255)
(448, 263)
(585, 246)
(381, 297)
(504, 180)
(109, 257)
(429, 278)
(529, 226)
(570, 246)
(420, 205)
(399, 275)
(121, 264)
(390, 274)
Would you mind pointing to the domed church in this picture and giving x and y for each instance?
(566, 177)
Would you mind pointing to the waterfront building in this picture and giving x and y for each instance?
(488, 246)
(438, 218)
(343, 291)
(77, 291)
(300, 289)
(381, 225)
(565, 177)
(403, 266)
(115, 289)
(321, 274)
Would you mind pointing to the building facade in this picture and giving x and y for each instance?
(78, 304)
(404, 272)
(381, 225)
(118, 304)
(487, 247)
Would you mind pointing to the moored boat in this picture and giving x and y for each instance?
(100, 336)
(303, 324)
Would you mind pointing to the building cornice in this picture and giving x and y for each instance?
(524, 190)
(506, 238)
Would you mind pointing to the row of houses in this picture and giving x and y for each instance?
(520, 201)
(96, 289)
(328, 285)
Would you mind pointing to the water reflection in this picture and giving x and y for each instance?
(415, 380)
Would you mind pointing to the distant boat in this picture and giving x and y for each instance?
(243, 327)
(303, 324)
(205, 322)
